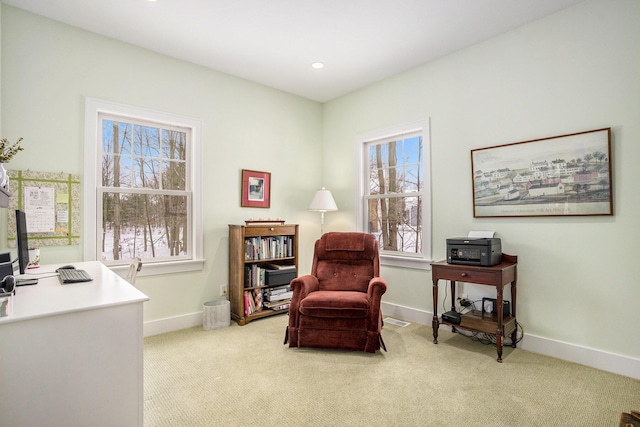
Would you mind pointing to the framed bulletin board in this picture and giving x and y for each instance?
(51, 201)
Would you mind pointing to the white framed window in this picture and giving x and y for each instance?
(394, 192)
(142, 189)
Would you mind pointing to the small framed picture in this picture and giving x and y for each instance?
(256, 189)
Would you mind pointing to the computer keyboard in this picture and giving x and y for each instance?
(69, 275)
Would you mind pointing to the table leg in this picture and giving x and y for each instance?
(453, 300)
(434, 321)
(514, 334)
(500, 314)
(453, 295)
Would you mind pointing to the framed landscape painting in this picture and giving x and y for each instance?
(567, 175)
(256, 189)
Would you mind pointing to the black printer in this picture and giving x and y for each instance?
(482, 251)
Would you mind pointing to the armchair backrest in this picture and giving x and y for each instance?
(345, 261)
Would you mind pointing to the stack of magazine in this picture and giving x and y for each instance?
(277, 297)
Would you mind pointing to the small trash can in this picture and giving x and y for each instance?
(216, 314)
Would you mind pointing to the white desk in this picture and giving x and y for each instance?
(72, 355)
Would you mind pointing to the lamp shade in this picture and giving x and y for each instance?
(323, 201)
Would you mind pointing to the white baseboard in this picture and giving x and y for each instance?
(170, 324)
(610, 362)
(406, 313)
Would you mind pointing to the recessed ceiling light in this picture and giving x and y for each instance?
(317, 65)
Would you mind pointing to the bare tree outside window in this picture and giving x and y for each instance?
(145, 202)
(394, 198)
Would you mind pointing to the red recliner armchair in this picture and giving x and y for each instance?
(338, 305)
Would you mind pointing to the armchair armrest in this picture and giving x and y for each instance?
(377, 287)
(301, 287)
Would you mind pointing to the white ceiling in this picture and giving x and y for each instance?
(274, 42)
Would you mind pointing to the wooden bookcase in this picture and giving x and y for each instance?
(255, 245)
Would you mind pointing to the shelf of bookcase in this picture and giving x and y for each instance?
(257, 315)
(259, 261)
(266, 312)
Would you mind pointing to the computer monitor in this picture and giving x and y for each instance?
(22, 241)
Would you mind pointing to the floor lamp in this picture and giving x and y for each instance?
(323, 202)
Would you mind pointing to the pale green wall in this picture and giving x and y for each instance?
(47, 70)
(577, 70)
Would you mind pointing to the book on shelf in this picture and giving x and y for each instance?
(257, 298)
(253, 301)
(254, 275)
(247, 306)
(270, 247)
(252, 304)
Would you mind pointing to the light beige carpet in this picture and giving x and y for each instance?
(244, 376)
